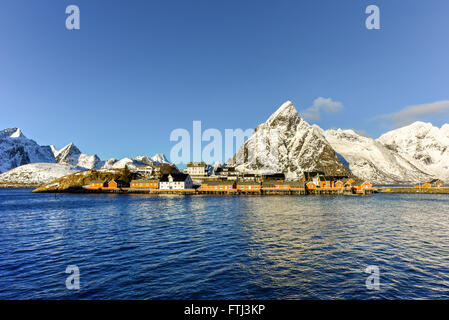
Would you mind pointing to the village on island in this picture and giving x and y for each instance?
(197, 179)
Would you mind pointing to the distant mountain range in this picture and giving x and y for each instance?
(284, 143)
(23, 161)
(411, 154)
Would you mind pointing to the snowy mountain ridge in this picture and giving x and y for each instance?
(23, 161)
(371, 160)
(284, 143)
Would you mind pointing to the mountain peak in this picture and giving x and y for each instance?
(297, 147)
(70, 147)
(160, 158)
(286, 110)
(11, 133)
(17, 133)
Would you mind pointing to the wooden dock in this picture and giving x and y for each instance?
(431, 190)
(232, 192)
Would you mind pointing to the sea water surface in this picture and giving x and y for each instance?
(223, 247)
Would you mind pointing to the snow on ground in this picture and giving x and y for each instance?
(36, 173)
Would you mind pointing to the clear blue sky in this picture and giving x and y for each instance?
(136, 70)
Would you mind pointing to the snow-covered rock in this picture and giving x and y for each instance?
(54, 150)
(36, 173)
(133, 163)
(71, 155)
(109, 163)
(159, 158)
(143, 160)
(287, 143)
(422, 144)
(17, 150)
(371, 160)
(126, 162)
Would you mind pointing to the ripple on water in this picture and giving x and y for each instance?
(150, 247)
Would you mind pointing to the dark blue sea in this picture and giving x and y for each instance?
(228, 247)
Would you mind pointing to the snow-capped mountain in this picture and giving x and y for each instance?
(17, 150)
(126, 162)
(422, 144)
(284, 143)
(287, 143)
(160, 159)
(371, 160)
(71, 155)
(133, 163)
(36, 173)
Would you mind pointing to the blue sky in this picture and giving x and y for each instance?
(136, 70)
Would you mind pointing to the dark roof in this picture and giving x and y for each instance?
(435, 181)
(225, 169)
(97, 181)
(278, 176)
(176, 177)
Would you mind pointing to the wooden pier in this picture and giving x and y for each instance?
(232, 192)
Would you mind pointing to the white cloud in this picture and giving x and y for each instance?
(411, 114)
(321, 104)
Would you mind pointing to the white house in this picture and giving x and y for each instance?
(175, 181)
(196, 168)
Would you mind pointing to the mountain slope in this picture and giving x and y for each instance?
(35, 174)
(71, 155)
(132, 163)
(371, 160)
(17, 150)
(423, 145)
(160, 158)
(286, 143)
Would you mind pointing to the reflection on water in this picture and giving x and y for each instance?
(204, 247)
